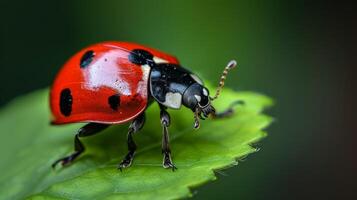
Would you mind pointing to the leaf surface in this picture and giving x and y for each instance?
(29, 145)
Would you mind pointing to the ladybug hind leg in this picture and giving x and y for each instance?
(165, 122)
(134, 127)
(87, 130)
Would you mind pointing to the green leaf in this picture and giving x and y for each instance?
(29, 145)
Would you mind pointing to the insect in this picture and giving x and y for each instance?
(114, 82)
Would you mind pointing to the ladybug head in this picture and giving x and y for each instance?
(197, 98)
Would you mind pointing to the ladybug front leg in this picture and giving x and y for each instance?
(228, 112)
(165, 122)
(134, 127)
(87, 130)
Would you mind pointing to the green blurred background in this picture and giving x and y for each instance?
(295, 51)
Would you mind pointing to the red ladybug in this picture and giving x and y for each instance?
(114, 82)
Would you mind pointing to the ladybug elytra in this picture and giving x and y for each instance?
(114, 82)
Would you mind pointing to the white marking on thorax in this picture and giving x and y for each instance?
(159, 60)
(198, 80)
(173, 100)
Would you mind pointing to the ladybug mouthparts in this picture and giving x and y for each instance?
(207, 110)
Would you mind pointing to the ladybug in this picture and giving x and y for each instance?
(114, 82)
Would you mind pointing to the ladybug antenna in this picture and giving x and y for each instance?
(229, 66)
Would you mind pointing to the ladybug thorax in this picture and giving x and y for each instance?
(169, 82)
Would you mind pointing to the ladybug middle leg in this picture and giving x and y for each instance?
(87, 130)
(134, 127)
(165, 122)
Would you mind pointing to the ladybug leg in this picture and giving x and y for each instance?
(165, 122)
(228, 112)
(87, 130)
(134, 127)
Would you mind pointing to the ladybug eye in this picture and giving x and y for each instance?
(205, 92)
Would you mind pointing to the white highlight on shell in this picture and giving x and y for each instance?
(107, 76)
(173, 100)
(159, 60)
(205, 92)
(142, 86)
(198, 80)
(198, 98)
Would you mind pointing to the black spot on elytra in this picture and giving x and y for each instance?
(141, 57)
(66, 101)
(114, 101)
(87, 58)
